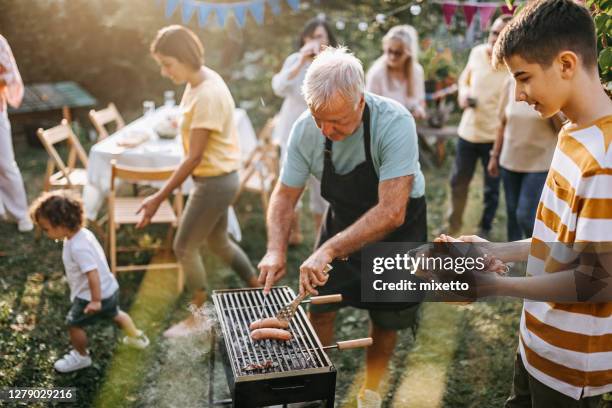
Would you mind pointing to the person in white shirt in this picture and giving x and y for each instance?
(94, 291)
(397, 73)
(287, 84)
(12, 191)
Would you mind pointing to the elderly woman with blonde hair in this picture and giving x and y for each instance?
(397, 73)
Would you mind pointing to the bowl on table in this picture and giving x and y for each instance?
(167, 128)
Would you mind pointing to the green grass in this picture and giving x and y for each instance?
(464, 354)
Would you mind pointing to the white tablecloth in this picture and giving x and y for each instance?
(155, 152)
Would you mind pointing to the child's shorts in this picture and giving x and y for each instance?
(77, 317)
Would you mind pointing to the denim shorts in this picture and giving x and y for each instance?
(76, 315)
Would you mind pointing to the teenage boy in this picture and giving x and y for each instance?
(565, 349)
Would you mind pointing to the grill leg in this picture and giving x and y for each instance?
(329, 403)
(211, 369)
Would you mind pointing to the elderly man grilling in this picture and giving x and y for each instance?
(364, 150)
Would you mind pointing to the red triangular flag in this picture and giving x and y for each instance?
(469, 11)
(448, 10)
(486, 12)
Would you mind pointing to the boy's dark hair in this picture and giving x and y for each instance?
(61, 208)
(546, 27)
(181, 43)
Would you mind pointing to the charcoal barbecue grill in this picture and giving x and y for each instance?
(269, 372)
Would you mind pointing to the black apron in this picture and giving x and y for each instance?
(350, 196)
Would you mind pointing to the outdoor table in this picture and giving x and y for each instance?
(439, 136)
(49, 96)
(155, 152)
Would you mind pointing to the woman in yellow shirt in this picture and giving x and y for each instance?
(212, 158)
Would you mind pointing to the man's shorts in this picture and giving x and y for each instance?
(76, 315)
(387, 319)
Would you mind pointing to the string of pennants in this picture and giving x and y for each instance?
(470, 8)
(204, 9)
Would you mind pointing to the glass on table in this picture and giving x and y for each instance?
(169, 98)
(148, 107)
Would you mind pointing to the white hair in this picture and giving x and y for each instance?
(334, 70)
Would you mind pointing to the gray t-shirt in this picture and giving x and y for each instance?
(393, 143)
(81, 254)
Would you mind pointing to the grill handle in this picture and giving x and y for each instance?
(349, 344)
(321, 300)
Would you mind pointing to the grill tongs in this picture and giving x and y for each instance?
(287, 312)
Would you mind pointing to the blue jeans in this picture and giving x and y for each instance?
(467, 156)
(523, 191)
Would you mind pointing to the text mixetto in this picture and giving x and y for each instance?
(404, 285)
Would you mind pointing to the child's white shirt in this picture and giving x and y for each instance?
(81, 254)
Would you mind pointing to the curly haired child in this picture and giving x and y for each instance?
(94, 291)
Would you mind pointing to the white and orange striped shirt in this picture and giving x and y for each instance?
(568, 346)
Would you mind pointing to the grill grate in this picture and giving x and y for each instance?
(238, 308)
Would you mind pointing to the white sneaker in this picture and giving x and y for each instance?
(25, 225)
(72, 361)
(370, 399)
(140, 342)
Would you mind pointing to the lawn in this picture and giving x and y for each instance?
(461, 356)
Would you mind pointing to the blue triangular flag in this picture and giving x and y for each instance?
(171, 6)
(257, 10)
(275, 5)
(240, 13)
(221, 11)
(294, 4)
(203, 12)
(187, 11)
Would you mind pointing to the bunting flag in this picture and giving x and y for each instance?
(221, 11)
(485, 9)
(469, 11)
(275, 6)
(485, 16)
(294, 4)
(240, 14)
(203, 13)
(171, 6)
(507, 10)
(187, 11)
(448, 10)
(256, 9)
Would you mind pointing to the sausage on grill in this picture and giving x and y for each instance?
(273, 334)
(269, 323)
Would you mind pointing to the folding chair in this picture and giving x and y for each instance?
(68, 175)
(260, 171)
(122, 211)
(105, 116)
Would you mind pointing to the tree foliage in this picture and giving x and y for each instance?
(104, 44)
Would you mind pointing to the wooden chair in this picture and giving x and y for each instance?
(122, 210)
(68, 176)
(260, 171)
(105, 116)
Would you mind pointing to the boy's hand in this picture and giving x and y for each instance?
(93, 307)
